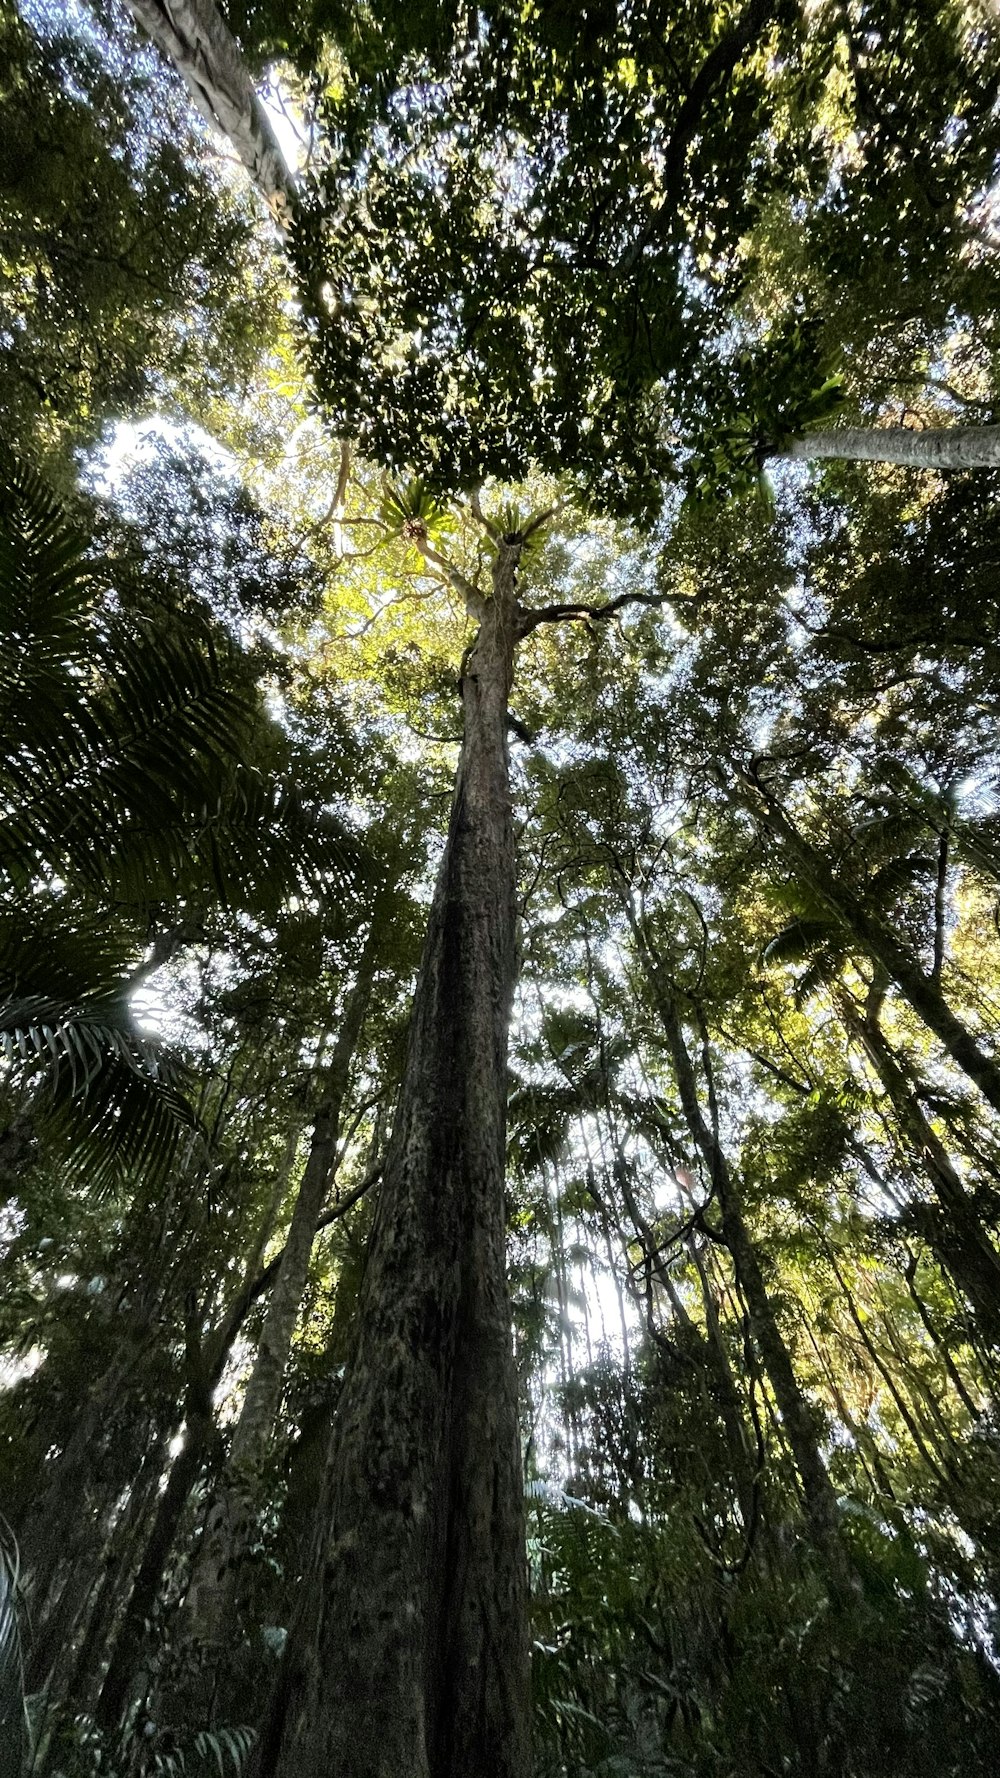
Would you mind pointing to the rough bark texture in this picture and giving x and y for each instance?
(193, 36)
(409, 1659)
(212, 1593)
(952, 447)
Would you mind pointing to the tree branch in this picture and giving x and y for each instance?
(552, 614)
(475, 604)
(194, 36)
(252, 1292)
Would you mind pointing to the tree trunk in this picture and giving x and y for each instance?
(120, 1563)
(409, 1657)
(228, 1524)
(951, 447)
(193, 35)
(874, 937)
(62, 1538)
(130, 1640)
(712, 1359)
(969, 1255)
(795, 1409)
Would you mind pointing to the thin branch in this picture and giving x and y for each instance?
(265, 1279)
(343, 475)
(543, 518)
(940, 906)
(475, 507)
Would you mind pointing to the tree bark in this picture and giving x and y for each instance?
(409, 1657)
(212, 1593)
(120, 1562)
(951, 447)
(193, 35)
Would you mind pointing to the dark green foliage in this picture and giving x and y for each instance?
(654, 1658)
(127, 786)
(120, 263)
(534, 245)
(12, 1738)
(642, 247)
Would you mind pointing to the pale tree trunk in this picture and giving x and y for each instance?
(228, 1525)
(193, 36)
(409, 1656)
(950, 447)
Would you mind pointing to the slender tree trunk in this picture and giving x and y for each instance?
(212, 1593)
(951, 447)
(875, 937)
(746, 1471)
(119, 1572)
(193, 35)
(969, 1255)
(938, 1341)
(409, 1658)
(63, 1538)
(199, 1433)
(126, 1654)
(795, 1409)
(717, 1376)
(907, 1412)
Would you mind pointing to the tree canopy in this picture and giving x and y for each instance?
(499, 1010)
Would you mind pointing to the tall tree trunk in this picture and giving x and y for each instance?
(193, 35)
(951, 447)
(131, 1638)
(795, 1409)
(409, 1656)
(228, 1525)
(969, 1254)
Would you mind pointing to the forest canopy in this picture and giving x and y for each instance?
(500, 839)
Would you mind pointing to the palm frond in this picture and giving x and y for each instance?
(797, 942)
(45, 595)
(825, 966)
(896, 875)
(12, 1720)
(887, 835)
(150, 754)
(69, 1037)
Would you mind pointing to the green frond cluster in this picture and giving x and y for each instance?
(128, 786)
